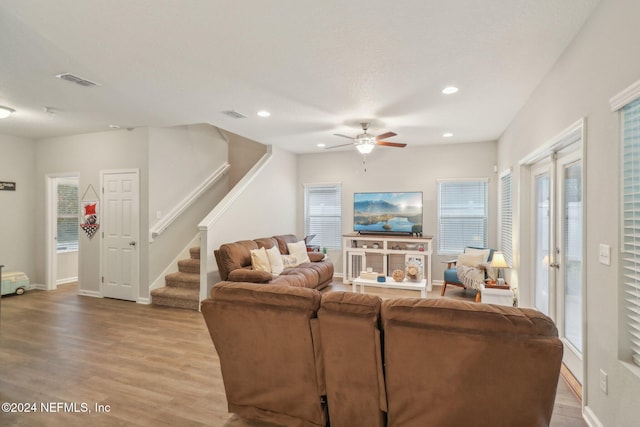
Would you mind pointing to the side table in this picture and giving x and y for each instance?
(491, 293)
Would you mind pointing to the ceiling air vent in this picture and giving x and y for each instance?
(234, 114)
(75, 79)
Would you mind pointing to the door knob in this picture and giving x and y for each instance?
(554, 265)
(132, 243)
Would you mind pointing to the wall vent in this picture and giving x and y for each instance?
(75, 79)
(234, 114)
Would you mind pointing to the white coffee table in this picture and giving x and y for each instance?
(391, 284)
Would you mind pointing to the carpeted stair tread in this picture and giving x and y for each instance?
(182, 280)
(195, 252)
(190, 265)
(176, 297)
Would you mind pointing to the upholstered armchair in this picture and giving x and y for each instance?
(477, 259)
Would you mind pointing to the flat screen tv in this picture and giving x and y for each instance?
(394, 213)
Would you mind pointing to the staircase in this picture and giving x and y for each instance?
(182, 289)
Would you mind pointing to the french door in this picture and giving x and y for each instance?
(557, 238)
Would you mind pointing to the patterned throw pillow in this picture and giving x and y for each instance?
(289, 261)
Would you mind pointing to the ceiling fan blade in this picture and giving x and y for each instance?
(385, 135)
(337, 146)
(343, 136)
(391, 144)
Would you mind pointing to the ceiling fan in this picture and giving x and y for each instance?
(365, 142)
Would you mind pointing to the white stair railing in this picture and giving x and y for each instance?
(182, 206)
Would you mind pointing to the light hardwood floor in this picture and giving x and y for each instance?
(149, 365)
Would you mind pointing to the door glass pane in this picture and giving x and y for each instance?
(573, 254)
(542, 243)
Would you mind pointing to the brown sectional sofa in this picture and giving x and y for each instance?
(295, 357)
(234, 264)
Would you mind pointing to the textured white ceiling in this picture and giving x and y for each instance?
(319, 67)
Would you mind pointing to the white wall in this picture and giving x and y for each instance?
(88, 154)
(180, 159)
(67, 267)
(601, 61)
(392, 169)
(243, 154)
(17, 208)
(266, 208)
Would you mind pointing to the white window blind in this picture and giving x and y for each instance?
(462, 215)
(506, 216)
(67, 217)
(323, 214)
(631, 223)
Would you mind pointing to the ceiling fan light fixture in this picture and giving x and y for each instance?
(5, 112)
(365, 147)
(449, 90)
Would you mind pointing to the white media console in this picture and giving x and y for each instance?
(384, 253)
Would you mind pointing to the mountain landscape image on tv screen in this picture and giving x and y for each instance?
(387, 212)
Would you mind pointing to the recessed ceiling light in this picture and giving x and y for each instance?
(321, 145)
(5, 112)
(112, 126)
(449, 90)
(447, 134)
(264, 113)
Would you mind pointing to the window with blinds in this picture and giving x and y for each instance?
(506, 216)
(67, 217)
(462, 215)
(323, 214)
(631, 223)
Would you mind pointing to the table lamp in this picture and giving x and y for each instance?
(498, 261)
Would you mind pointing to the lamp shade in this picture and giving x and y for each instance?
(498, 260)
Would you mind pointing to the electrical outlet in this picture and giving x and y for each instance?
(604, 385)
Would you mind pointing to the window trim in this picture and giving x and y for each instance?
(508, 252)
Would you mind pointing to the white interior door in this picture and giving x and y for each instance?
(557, 239)
(121, 232)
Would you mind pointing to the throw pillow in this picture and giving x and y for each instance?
(260, 260)
(275, 259)
(484, 252)
(299, 250)
(289, 261)
(470, 260)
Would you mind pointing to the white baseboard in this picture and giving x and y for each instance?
(590, 417)
(66, 280)
(84, 292)
(38, 286)
(144, 301)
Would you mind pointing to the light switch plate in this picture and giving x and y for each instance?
(605, 254)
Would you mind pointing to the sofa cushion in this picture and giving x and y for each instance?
(473, 351)
(268, 346)
(311, 276)
(248, 275)
(315, 256)
(324, 270)
(266, 242)
(283, 240)
(232, 256)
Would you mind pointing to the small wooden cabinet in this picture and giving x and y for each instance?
(384, 254)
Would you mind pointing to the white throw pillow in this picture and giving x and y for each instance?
(484, 252)
(260, 260)
(299, 250)
(470, 260)
(275, 259)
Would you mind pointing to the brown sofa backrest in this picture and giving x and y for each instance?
(468, 364)
(268, 342)
(283, 240)
(232, 256)
(352, 353)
